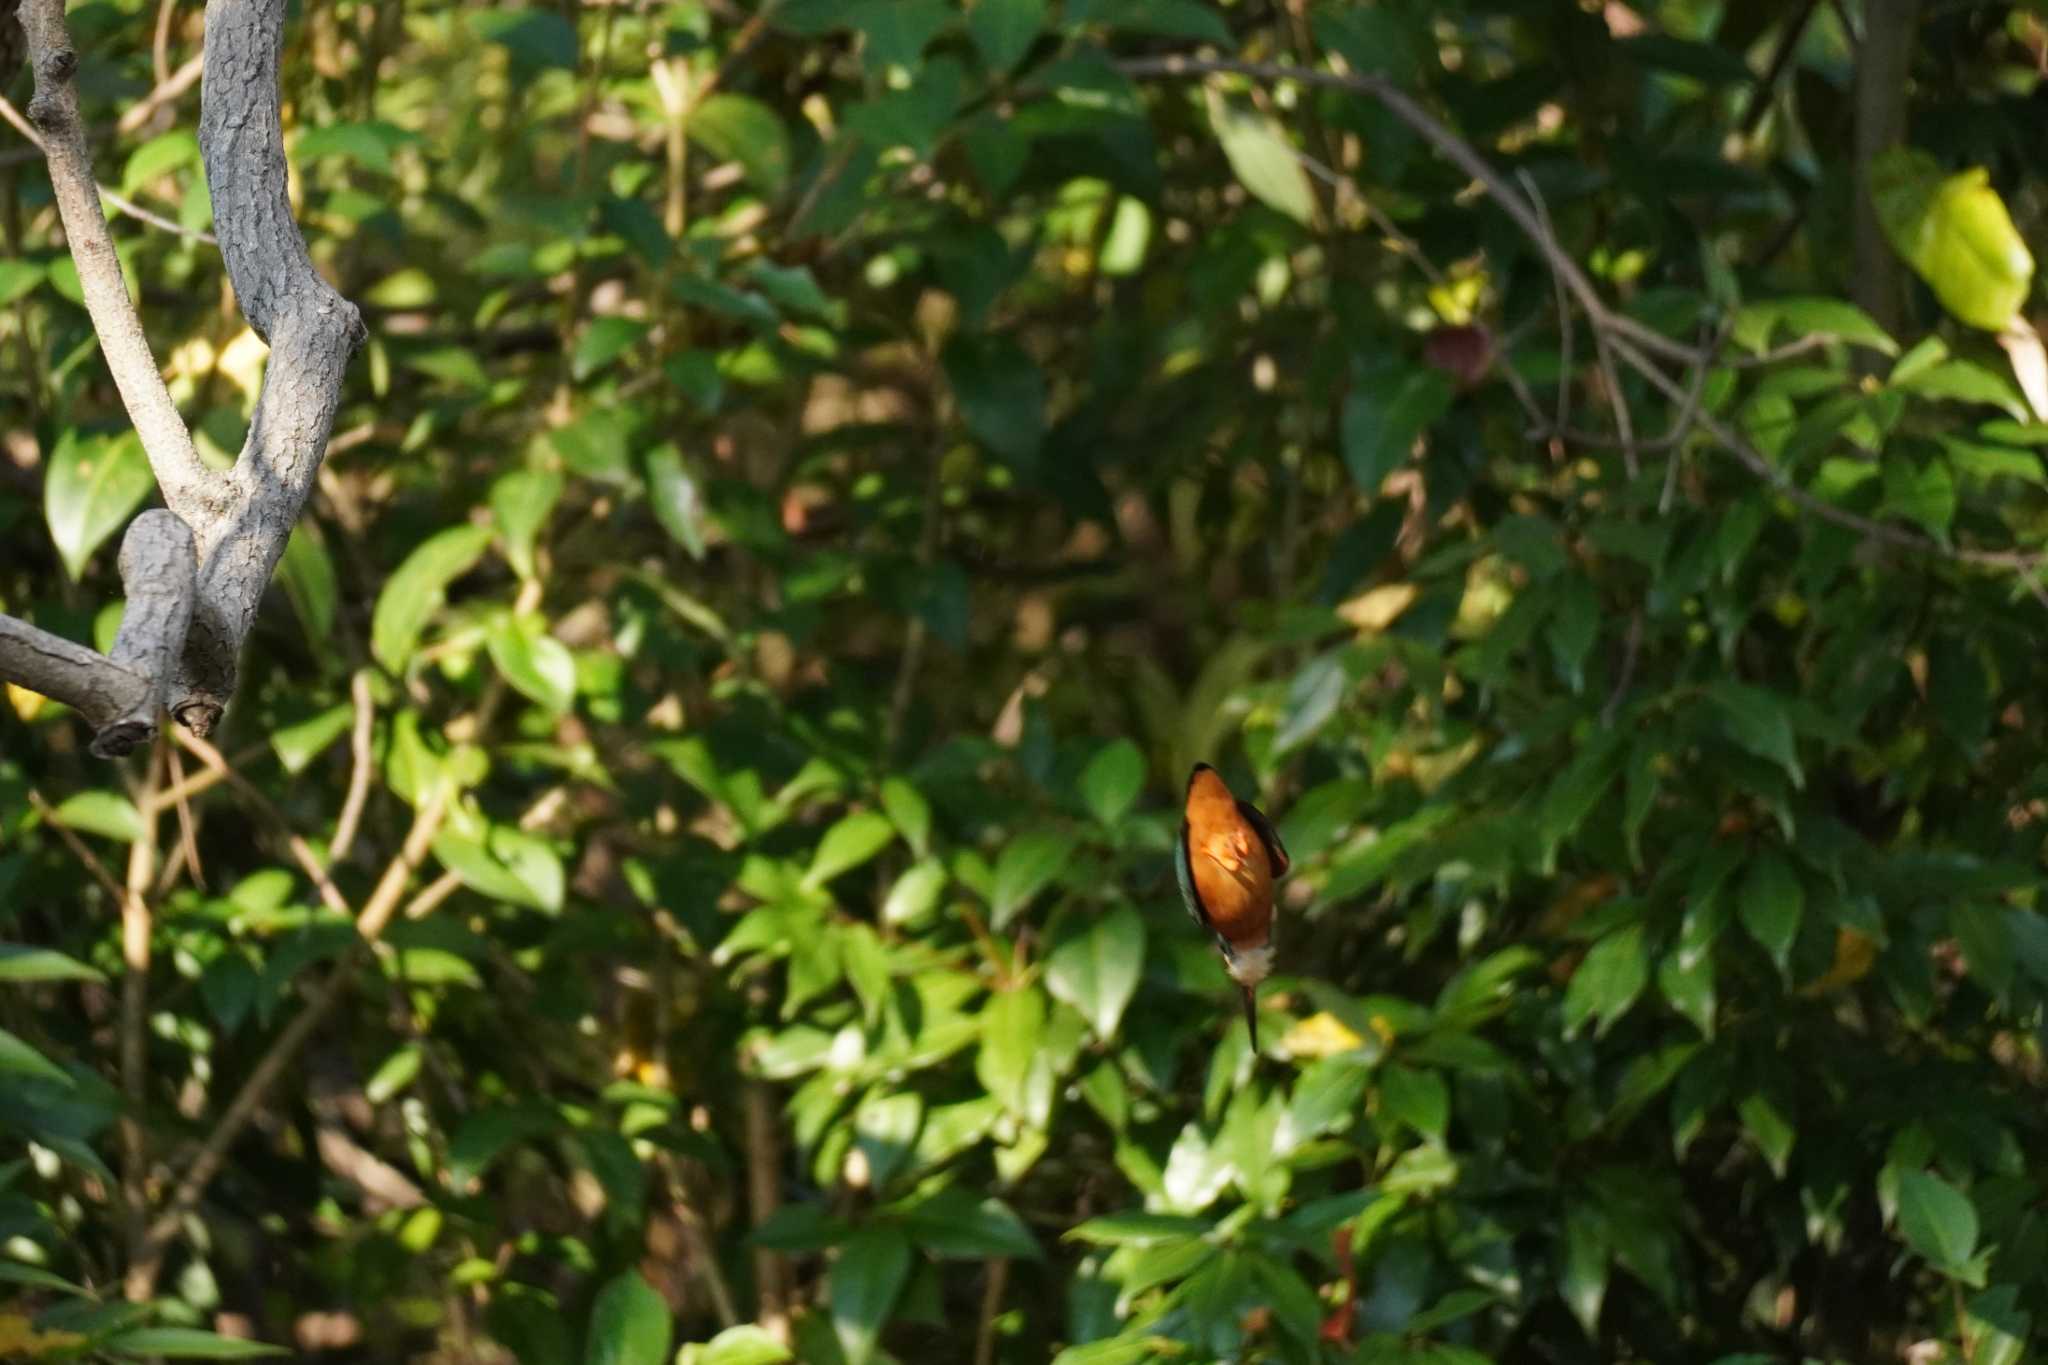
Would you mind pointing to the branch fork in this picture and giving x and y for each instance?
(195, 571)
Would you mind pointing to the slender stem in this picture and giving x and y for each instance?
(135, 936)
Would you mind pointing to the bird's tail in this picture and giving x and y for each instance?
(1251, 1014)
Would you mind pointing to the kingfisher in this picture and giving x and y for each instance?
(1228, 860)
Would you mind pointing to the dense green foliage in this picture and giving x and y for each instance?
(818, 478)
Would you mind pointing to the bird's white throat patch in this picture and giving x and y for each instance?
(1250, 966)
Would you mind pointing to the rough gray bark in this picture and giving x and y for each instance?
(195, 573)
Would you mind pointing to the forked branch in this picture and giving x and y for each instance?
(195, 573)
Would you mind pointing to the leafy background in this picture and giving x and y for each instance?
(821, 473)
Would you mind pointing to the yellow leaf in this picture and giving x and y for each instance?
(1320, 1035)
(241, 360)
(28, 705)
(1855, 954)
(18, 1339)
(1376, 609)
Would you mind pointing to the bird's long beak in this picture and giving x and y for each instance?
(1251, 1014)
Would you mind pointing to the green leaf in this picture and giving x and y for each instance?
(522, 501)
(18, 279)
(1758, 721)
(1771, 904)
(1189, 19)
(101, 812)
(1096, 971)
(35, 1277)
(1938, 1220)
(19, 1059)
(1000, 394)
(394, 1074)
(867, 1276)
(1963, 382)
(1138, 1229)
(916, 893)
(602, 342)
(1028, 865)
(1607, 982)
(485, 1134)
(1773, 1133)
(1113, 779)
(677, 502)
(93, 486)
(911, 812)
(743, 1345)
(18, 963)
(853, 840)
(1417, 1098)
(1922, 492)
(1955, 232)
(158, 157)
(538, 665)
(957, 1223)
(1004, 30)
(188, 1343)
(418, 589)
(1582, 1276)
(1384, 416)
(1011, 1064)
(306, 573)
(739, 128)
(1264, 159)
(508, 865)
(536, 38)
(1758, 324)
(629, 1324)
(1312, 698)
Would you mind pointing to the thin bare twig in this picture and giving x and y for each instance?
(376, 913)
(168, 89)
(1564, 314)
(112, 196)
(301, 851)
(188, 832)
(1630, 651)
(87, 859)
(134, 1050)
(362, 761)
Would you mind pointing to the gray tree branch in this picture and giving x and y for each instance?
(195, 574)
(118, 695)
(312, 330)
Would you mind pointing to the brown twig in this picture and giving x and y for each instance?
(112, 196)
(991, 1308)
(213, 1150)
(362, 761)
(96, 869)
(301, 851)
(764, 1197)
(134, 1049)
(188, 832)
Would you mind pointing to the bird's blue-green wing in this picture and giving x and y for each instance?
(1184, 870)
(1276, 852)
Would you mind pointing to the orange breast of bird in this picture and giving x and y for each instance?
(1232, 874)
